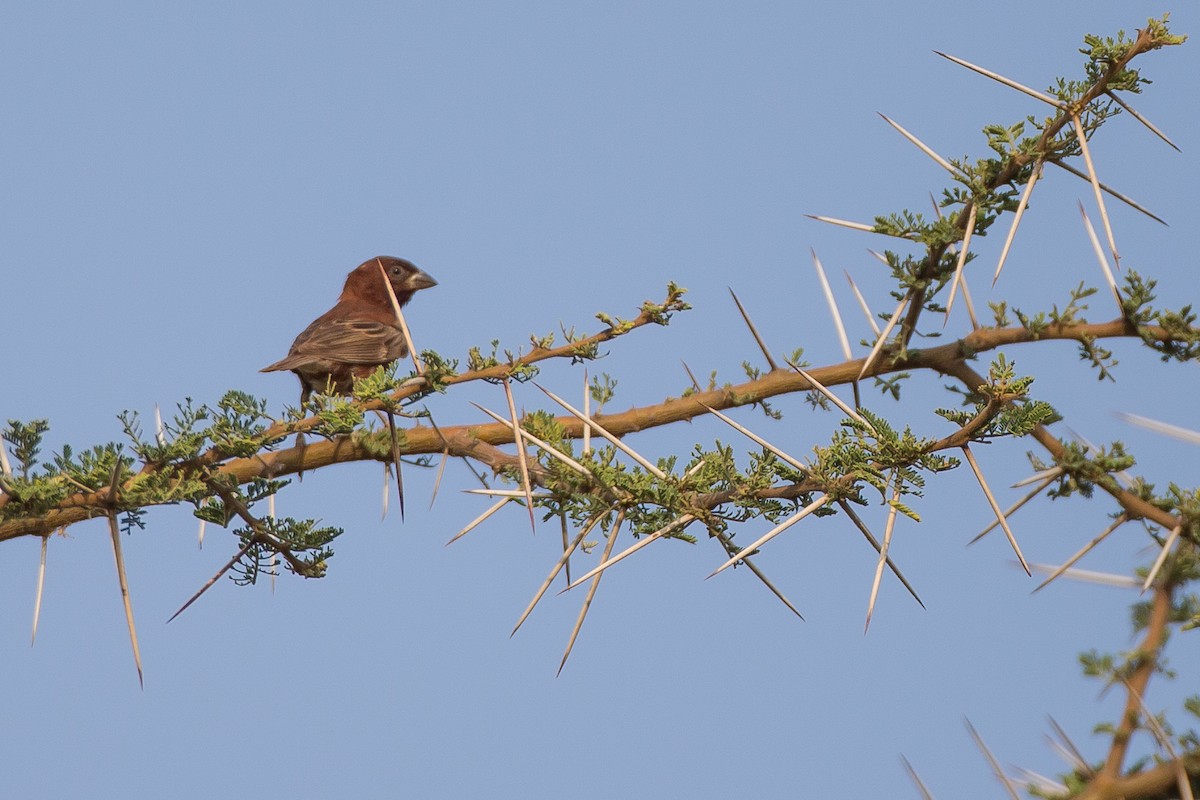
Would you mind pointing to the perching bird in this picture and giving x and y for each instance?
(358, 334)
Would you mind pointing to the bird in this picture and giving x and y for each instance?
(360, 333)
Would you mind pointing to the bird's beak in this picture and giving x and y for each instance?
(420, 280)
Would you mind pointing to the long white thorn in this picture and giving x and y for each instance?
(479, 520)
(833, 306)
(1091, 168)
(962, 259)
(1045, 98)
(862, 303)
(1174, 431)
(857, 226)
(1017, 217)
(536, 442)
(991, 498)
(924, 148)
(883, 554)
(771, 534)
(678, 522)
(1015, 507)
(749, 434)
(522, 456)
(41, 583)
(1083, 551)
(883, 337)
(1153, 128)
(587, 412)
(1162, 556)
(833, 398)
(1103, 259)
(991, 759)
(1123, 198)
(753, 330)
(624, 448)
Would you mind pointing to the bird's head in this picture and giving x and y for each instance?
(366, 281)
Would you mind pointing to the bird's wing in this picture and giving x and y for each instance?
(349, 342)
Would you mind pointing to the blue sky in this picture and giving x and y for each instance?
(184, 188)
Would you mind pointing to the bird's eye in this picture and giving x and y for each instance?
(396, 270)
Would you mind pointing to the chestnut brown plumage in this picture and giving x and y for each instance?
(358, 334)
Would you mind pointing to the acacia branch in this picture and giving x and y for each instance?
(479, 442)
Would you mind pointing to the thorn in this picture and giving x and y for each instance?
(229, 565)
(536, 442)
(1174, 431)
(833, 306)
(1108, 276)
(833, 398)
(1091, 168)
(1162, 556)
(962, 260)
(629, 451)
(691, 377)
(1091, 576)
(566, 541)
(1004, 779)
(883, 336)
(757, 439)
(1141, 119)
(678, 522)
(862, 303)
(478, 520)
(1045, 98)
(5, 466)
(878, 549)
(1126, 200)
(587, 601)
(115, 531)
(1017, 505)
(1121, 520)
(511, 494)
(880, 257)
(753, 330)
(37, 599)
(519, 441)
(1020, 213)
(395, 441)
(1074, 757)
(991, 498)
(943, 163)
(916, 779)
(587, 412)
(159, 436)
(727, 543)
(564, 560)
(437, 481)
(883, 554)
(771, 534)
(1053, 472)
(857, 226)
